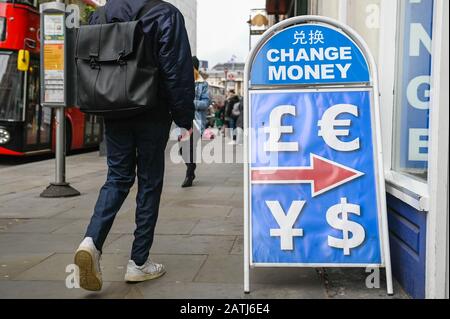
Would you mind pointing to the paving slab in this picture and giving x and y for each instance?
(350, 283)
(83, 207)
(41, 243)
(219, 226)
(197, 190)
(41, 226)
(14, 264)
(230, 269)
(223, 191)
(31, 207)
(189, 290)
(175, 226)
(200, 211)
(7, 223)
(8, 196)
(238, 246)
(73, 227)
(192, 291)
(177, 245)
(58, 290)
(179, 268)
(127, 226)
(285, 291)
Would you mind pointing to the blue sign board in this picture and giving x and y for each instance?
(309, 54)
(315, 202)
(314, 191)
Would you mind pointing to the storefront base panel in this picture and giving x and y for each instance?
(408, 246)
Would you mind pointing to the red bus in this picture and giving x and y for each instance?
(27, 128)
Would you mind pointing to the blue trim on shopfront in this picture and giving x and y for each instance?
(408, 246)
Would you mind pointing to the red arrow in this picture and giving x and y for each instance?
(323, 175)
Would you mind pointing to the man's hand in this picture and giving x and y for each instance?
(185, 136)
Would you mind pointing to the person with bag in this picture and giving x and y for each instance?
(240, 124)
(230, 118)
(134, 67)
(201, 102)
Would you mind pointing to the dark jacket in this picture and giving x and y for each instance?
(240, 119)
(229, 104)
(164, 26)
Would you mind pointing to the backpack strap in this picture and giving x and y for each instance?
(146, 8)
(94, 50)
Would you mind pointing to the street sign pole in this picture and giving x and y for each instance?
(311, 85)
(53, 88)
(60, 172)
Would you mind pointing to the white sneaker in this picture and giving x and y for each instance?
(87, 258)
(147, 271)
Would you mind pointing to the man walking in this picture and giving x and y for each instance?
(137, 145)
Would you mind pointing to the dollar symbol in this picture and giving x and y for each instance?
(330, 134)
(337, 217)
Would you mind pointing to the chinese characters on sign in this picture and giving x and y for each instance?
(315, 37)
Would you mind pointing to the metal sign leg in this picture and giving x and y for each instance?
(60, 188)
(246, 272)
(387, 251)
(246, 258)
(246, 212)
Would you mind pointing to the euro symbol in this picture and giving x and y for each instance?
(330, 134)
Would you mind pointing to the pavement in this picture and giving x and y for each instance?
(199, 238)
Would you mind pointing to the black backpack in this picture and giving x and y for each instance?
(116, 73)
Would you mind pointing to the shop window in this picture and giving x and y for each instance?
(412, 89)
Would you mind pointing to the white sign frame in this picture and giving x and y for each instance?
(376, 124)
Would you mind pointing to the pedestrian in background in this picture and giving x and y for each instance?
(240, 124)
(201, 103)
(218, 116)
(139, 143)
(230, 118)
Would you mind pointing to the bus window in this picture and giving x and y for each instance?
(33, 108)
(27, 2)
(32, 124)
(45, 113)
(11, 84)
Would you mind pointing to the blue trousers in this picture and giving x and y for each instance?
(134, 147)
